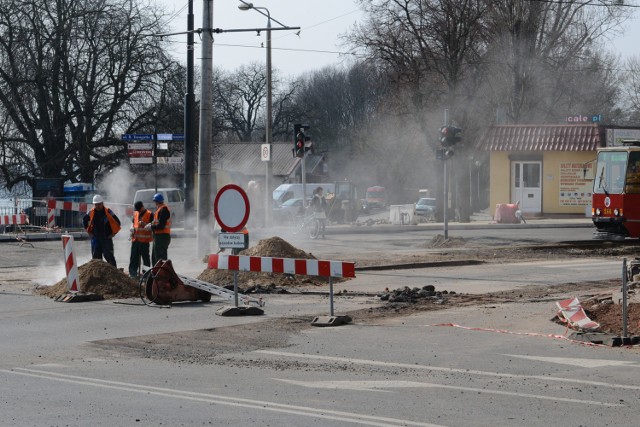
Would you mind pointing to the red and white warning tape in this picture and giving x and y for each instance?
(308, 267)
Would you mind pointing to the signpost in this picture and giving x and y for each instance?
(231, 209)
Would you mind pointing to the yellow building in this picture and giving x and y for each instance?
(547, 169)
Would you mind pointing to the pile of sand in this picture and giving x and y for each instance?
(271, 247)
(96, 277)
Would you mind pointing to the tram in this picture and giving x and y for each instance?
(615, 205)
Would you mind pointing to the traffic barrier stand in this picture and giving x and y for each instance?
(71, 268)
(17, 220)
(572, 313)
(308, 267)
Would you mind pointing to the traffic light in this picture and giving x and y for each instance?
(450, 135)
(301, 142)
(444, 153)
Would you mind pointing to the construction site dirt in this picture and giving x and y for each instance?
(376, 307)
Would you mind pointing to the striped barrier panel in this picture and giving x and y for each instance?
(13, 219)
(70, 264)
(308, 267)
(69, 206)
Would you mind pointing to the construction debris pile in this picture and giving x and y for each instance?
(440, 241)
(251, 282)
(413, 295)
(607, 310)
(96, 277)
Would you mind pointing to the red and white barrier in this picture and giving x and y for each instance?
(572, 312)
(70, 264)
(51, 218)
(309, 267)
(69, 206)
(13, 219)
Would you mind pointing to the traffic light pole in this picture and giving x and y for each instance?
(446, 199)
(304, 181)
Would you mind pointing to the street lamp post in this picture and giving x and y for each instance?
(269, 119)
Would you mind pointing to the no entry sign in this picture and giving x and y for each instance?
(231, 208)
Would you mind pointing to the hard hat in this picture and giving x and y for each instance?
(158, 197)
(97, 199)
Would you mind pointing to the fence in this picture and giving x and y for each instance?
(47, 214)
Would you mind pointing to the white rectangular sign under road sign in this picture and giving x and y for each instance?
(170, 160)
(233, 241)
(140, 146)
(141, 160)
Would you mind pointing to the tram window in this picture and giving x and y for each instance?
(610, 173)
(632, 182)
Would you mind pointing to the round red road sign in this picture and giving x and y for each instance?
(231, 208)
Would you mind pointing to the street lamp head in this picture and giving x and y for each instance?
(245, 6)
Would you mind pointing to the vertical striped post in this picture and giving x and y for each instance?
(70, 264)
(51, 218)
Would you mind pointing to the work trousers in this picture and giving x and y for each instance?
(138, 250)
(160, 247)
(103, 247)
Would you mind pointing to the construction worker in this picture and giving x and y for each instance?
(161, 227)
(140, 238)
(101, 225)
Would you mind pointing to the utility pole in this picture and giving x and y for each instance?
(204, 228)
(189, 140)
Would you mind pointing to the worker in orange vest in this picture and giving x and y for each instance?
(101, 225)
(161, 227)
(140, 238)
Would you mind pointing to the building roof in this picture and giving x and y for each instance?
(245, 158)
(585, 137)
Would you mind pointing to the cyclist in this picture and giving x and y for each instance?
(319, 207)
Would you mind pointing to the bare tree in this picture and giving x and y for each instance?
(73, 76)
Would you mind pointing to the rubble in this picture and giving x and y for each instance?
(412, 295)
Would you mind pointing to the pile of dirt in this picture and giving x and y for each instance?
(96, 277)
(440, 241)
(272, 247)
(609, 315)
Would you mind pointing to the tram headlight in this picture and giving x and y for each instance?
(616, 212)
(598, 212)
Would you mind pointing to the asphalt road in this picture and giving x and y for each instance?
(471, 366)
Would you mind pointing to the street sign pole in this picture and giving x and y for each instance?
(155, 159)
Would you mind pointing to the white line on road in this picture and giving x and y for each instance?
(442, 369)
(380, 385)
(221, 400)
(583, 363)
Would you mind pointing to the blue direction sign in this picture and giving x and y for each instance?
(170, 137)
(137, 137)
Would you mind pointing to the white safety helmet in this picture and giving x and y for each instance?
(97, 199)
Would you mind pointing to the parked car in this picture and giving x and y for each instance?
(173, 198)
(285, 213)
(426, 206)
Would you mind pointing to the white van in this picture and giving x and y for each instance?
(285, 192)
(173, 198)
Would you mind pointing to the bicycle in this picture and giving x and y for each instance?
(308, 224)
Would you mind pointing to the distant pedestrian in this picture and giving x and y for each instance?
(319, 207)
(161, 227)
(101, 225)
(140, 239)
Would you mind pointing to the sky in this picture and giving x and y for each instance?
(316, 46)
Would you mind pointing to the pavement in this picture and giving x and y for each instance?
(34, 234)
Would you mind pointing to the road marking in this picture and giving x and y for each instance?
(584, 363)
(221, 400)
(380, 385)
(442, 369)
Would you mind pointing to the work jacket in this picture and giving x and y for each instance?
(139, 233)
(162, 220)
(108, 228)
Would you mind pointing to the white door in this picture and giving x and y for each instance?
(526, 182)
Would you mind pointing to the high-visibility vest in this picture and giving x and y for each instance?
(167, 227)
(139, 233)
(115, 227)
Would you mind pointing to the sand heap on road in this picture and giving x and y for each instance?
(96, 277)
(271, 247)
